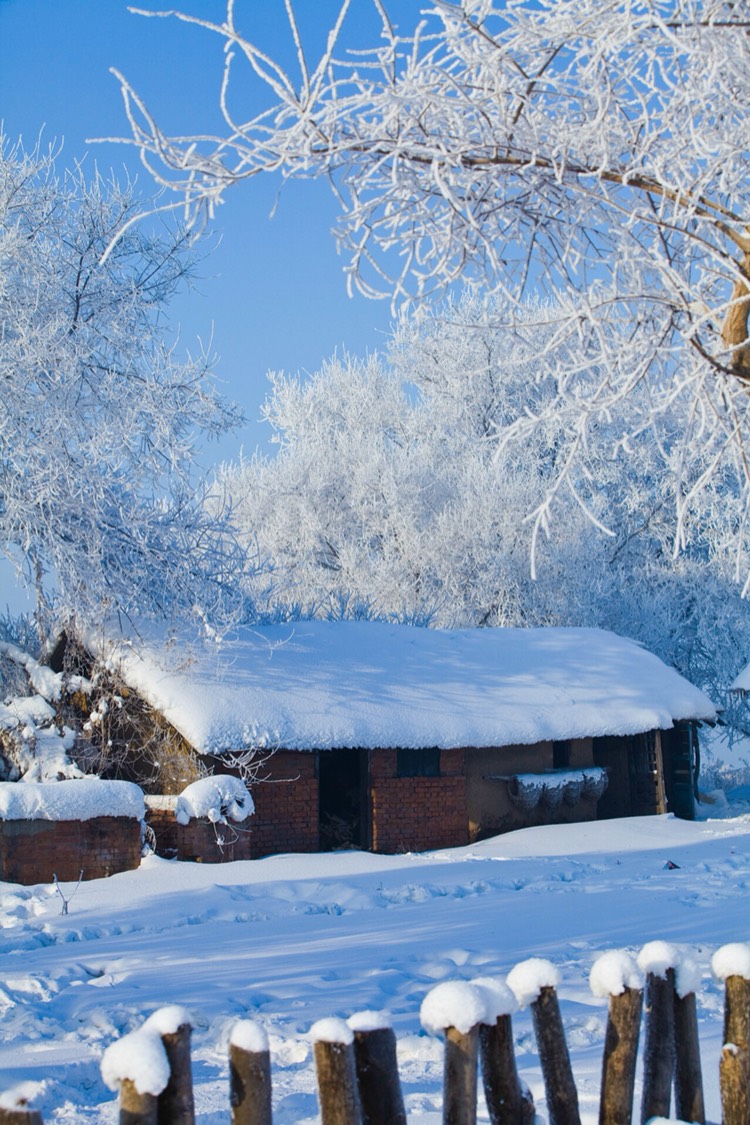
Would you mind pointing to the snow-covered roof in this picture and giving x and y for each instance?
(321, 684)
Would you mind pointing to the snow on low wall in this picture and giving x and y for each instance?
(78, 799)
(66, 829)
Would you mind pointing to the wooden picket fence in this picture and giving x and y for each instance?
(358, 1080)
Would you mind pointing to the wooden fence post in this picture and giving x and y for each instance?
(688, 1077)
(176, 1105)
(379, 1085)
(249, 1074)
(616, 975)
(137, 1108)
(19, 1115)
(333, 1041)
(731, 964)
(657, 960)
(534, 982)
(457, 1009)
(508, 1101)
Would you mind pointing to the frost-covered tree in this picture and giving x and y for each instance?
(404, 488)
(99, 419)
(594, 152)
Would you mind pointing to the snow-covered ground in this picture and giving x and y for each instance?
(291, 939)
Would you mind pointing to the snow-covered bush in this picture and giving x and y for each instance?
(219, 798)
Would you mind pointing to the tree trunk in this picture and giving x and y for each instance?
(734, 330)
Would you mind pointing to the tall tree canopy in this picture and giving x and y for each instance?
(594, 152)
(99, 420)
(399, 491)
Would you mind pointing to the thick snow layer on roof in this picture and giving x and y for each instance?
(315, 684)
(79, 799)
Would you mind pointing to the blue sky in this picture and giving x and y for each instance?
(273, 290)
(272, 294)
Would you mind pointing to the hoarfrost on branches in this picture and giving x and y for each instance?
(593, 154)
(404, 488)
(99, 420)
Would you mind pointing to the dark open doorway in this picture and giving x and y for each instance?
(344, 809)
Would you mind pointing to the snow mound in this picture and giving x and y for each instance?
(77, 799)
(218, 798)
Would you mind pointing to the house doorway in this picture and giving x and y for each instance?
(343, 818)
(634, 767)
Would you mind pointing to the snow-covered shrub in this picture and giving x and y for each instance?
(219, 798)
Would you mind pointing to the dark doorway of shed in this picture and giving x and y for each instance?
(636, 780)
(342, 785)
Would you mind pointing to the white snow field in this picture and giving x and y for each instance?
(291, 939)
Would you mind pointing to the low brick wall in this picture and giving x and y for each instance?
(34, 851)
(285, 818)
(417, 813)
(200, 841)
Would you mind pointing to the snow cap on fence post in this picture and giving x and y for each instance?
(613, 972)
(732, 960)
(248, 1035)
(499, 999)
(527, 979)
(138, 1057)
(454, 1003)
(15, 1108)
(658, 957)
(331, 1030)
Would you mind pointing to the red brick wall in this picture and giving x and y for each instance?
(204, 842)
(417, 813)
(34, 851)
(286, 805)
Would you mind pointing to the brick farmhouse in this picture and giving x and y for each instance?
(392, 738)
